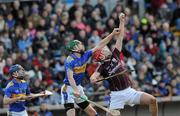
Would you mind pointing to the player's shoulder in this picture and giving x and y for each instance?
(10, 84)
(69, 59)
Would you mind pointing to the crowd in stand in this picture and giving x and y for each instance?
(34, 34)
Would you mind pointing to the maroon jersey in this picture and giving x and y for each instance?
(113, 66)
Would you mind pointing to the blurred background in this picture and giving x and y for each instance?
(33, 33)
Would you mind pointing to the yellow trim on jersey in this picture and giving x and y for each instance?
(80, 69)
(23, 81)
(69, 58)
(17, 95)
(9, 84)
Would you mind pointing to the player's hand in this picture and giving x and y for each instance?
(29, 97)
(43, 92)
(116, 31)
(22, 98)
(93, 80)
(76, 93)
(122, 17)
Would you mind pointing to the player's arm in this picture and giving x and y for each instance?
(7, 100)
(106, 40)
(119, 41)
(32, 96)
(7, 97)
(95, 77)
(72, 82)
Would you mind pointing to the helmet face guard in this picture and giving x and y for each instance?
(101, 54)
(98, 56)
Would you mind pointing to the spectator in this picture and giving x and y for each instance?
(7, 41)
(95, 37)
(87, 8)
(47, 73)
(16, 8)
(24, 61)
(21, 19)
(64, 22)
(2, 60)
(78, 19)
(73, 9)
(9, 63)
(2, 22)
(10, 21)
(151, 48)
(110, 25)
(102, 9)
(34, 18)
(44, 111)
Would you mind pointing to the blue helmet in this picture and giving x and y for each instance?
(14, 68)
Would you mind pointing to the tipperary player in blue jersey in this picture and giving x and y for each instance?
(75, 66)
(17, 92)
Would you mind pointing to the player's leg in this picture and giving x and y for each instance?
(87, 108)
(70, 110)
(138, 97)
(68, 100)
(83, 104)
(147, 99)
(117, 102)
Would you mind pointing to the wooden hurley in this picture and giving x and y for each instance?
(112, 112)
(121, 73)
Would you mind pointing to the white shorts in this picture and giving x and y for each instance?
(68, 97)
(128, 96)
(22, 113)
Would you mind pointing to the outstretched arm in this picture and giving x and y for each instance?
(119, 40)
(7, 100)
(106, 40)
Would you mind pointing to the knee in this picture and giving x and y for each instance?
(153, 100)
(153, 106)
(68, 106)
(93, 112)
(153, 103)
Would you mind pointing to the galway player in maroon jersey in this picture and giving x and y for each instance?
(121, 92)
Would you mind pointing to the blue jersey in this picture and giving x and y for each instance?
(77, 65)
(15, 89)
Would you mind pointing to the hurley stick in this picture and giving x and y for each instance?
(121, 73)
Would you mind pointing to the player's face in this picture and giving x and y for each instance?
(105, 54)
(20, 73)
(80, 47)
